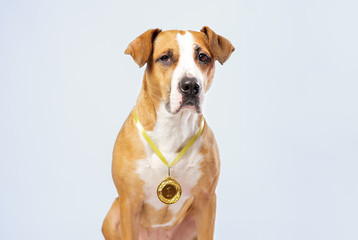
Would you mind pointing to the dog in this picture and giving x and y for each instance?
(180, 66)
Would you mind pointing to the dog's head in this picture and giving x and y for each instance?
(180, 64)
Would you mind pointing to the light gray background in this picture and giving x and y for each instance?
(283, 108)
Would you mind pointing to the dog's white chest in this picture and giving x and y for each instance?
(153, 171)
(169, 134)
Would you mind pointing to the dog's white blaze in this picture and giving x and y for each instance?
(186, 66)
(170, 132)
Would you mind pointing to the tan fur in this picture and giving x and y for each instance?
(208, 70)
(220, 46)
(129, 218)
(141, 48)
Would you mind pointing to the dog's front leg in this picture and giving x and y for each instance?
(129, 217)
(205, 210)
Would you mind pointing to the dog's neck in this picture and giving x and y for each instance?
(146, 107)
(169, 131)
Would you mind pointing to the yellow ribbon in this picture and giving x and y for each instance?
(156, 149)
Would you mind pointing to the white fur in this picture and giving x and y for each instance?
(186, 67)
(170, 133)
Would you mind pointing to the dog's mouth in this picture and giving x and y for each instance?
(192, 103)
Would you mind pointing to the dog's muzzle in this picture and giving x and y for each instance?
(190, 89)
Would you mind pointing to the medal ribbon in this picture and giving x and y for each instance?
(156, 149)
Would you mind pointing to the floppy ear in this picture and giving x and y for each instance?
(221, 48)
(141, 47)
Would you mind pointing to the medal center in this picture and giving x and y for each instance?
(169, 191)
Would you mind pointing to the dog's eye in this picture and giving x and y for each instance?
(204, 58)
(165, 59)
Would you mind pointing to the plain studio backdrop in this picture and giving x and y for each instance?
(283, 109)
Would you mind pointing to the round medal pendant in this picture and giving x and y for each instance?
(169, 191)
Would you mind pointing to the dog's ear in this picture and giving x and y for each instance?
(220, 47)
(141, 47)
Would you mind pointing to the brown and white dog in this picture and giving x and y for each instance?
(180, 69)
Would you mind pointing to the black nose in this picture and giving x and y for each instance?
(189, 86)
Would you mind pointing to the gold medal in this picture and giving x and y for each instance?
(169, 191)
